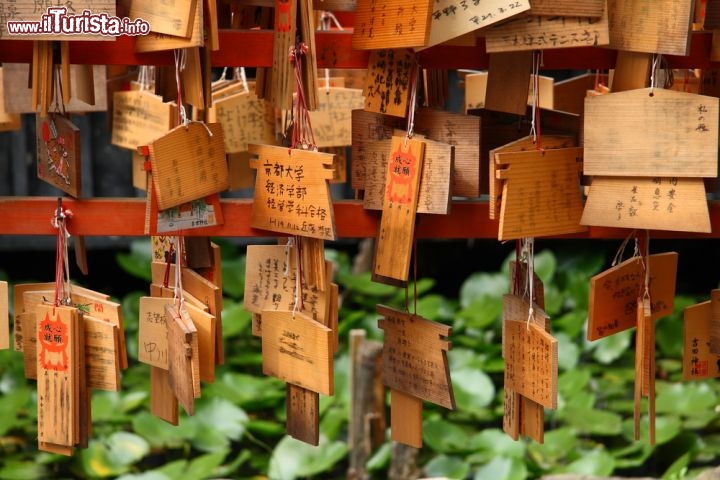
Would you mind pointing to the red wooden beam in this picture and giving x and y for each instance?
(126, 216)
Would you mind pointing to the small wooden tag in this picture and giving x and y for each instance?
(536, 32)
(541, 193)
(139, 117)
(508, 82)
(415, 356)
(58, 153)
(101, 354)
(155, 42)
(163, 403)
(406, 418)
(302, 407)
(397, 225)
(297, 350)
(614, 293)
(699, 362)
(4, 316)
(169, 18)
(679, 137)
(331, 122)
(245, 119)
(94, 304)
(452, 19)
(188, 163)
(531, 362)
(391, 74)
(655, 203)
(632, 71)
(152, 332)
(183, 365)
(645, 366)
(407, 24)
(59, 334)
(292, 194)
(8, 121)
(205, 323)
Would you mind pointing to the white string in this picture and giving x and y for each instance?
(535, 86)
(180, 59)
(67, 300)
(621, 251)
(326, 18)
(178, 292)
(411, 109)
(243, 78)
(646, 294)
(530, 285)
(298, 281)
(653, 79)
(288, 248)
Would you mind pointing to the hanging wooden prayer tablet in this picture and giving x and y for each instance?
(653, 203)
(174, 18)
(645, 366)
(245, 119)
(183, 357)
(58, 153)
(292, 193)
(152, 332)
(678, 138)
(331, 122)
(531, 362)
(391, 24)
(415, 356)
(508, 82)
(163, 403)
(541, 193)
(390, 77)
(397, 225)
(614, 293)
(297, 350)
(154, 42)
(535, 32)
(4, 316)
(188, 163)
(699, 362)
(451, 19)
(139, 117)
(102, 342)
(59, 335)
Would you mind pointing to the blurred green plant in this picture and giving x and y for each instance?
(238, 429)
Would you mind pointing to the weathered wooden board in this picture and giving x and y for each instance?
(154, 42)
(281, 78)
(531, 362)
(397, 225)
(656, 203)
(507, 83)
(652, 26)
(174, 17)
(183, 366)
(434, 194)
(139, 117)
(521, 145)
(292, 193)
(476, 91)
(536, 32)
(541, 193)
(405, 418)
(4, 316)
(245, 119)
(152, 332)
(163, 403)
(58, 153)
(390, 77)
(614, 293)
(188, 163)
(453, 18)
(102, 360)
(98, 307)
(699, 362)
(391, 24)
(205, 324)
(678, 138)
(32, 11)
(297, 350)
(332, 122)
(567, 8)
(415, 356)
(632, 71)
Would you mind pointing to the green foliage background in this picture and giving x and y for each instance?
(238, 428)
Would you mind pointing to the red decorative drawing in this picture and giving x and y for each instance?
(282, 16)
(57, 154)
(53, 338)
(403, 168)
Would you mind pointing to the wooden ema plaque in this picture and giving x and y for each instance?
(174, 18)
(4, 316)
(644, 367)
(658, 26)
(183, 357)
(58, 153)
(30, 11)
(292, 194)
(568, 8)
(521, 145)
(536, 32)
(156, 41)
(531, 362)
(653, 203)
(139, 117)
(8, 120)
(245, 119)
(397, 225)
(188, 163)
(476, 91)
(507, 82)
(541, 193)
(415, 368)
(434, 192)
(390, 77)
(699, 362)
(460, 131)
(391, 24)
(281, 78)
(102, 362)
(152, 332)
(332, 121)
(105, 310)
(298, 350)
(614, 293)
(679, 136)
(59, 367)
(453, 18)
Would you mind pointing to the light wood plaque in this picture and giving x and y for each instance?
(391, 24)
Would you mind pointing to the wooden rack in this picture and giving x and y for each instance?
(253, 48)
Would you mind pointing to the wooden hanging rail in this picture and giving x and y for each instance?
(125, 217)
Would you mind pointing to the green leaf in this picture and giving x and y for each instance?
(545, 266)
(222, 416)
(483, 284)
(436, 308)
(687, 399)
(363, 284)
(446, 466)
(14, 469)
(236, 321)
(159, 433)
(568, 352)
(557, 445)
(502, 468)
(473, 390)
(204, 466)
(666, 428)
(233, 277)
(593, 422)
(482, 312)
(495, 442)
(11, 405)
(572, 322)
(380, 459)
(293, 458)
(573, 381)
(460, 358)
(610, 348)
(444, 436)
(596, 462)
(137, 261)
(97, 462)
(125, 448)
(149, 475)
(678, 469)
